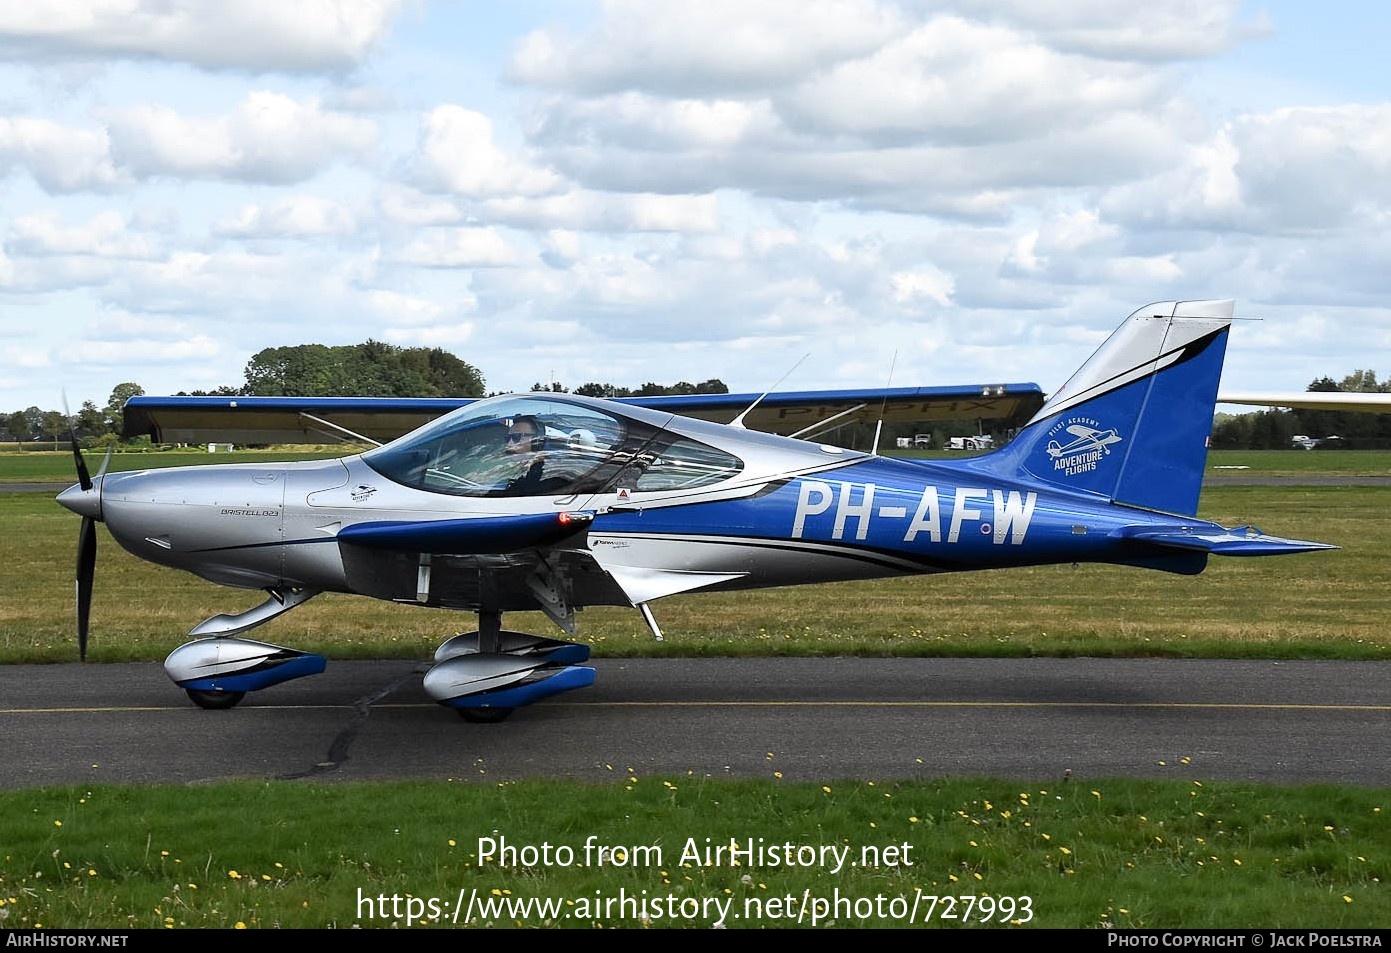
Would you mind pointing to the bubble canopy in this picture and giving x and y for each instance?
(558, 446)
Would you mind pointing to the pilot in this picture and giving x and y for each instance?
(526, 437)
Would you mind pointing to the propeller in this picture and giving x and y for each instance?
(86, 570)
(85, 499)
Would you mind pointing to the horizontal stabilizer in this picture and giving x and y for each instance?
(483, 534)
(1241, 541)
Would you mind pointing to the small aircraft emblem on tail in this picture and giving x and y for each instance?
(1085, 440)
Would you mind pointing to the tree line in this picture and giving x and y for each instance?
(1331, 430)
(376, 369)
(370, 369)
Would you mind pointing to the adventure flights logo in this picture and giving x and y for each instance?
(1084, 447)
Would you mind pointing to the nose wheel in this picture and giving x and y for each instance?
(484, 716)
(214, 701)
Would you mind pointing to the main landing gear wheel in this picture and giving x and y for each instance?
(484, 716)
(214, 701)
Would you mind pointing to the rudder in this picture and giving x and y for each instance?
(1132, 424)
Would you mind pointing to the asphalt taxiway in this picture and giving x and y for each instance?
(1058, 720)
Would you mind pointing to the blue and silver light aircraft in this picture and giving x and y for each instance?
(553, 502)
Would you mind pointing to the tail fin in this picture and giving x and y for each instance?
(1133, 423)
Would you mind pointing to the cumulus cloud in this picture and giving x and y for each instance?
(60, 158)
(955, 82)
(299, 216)
(105, 235)
(1158, 31)
(713, 187)
(1290, 170)
(457, 154)
(703, 49)
(459, 248)
(248, 34)
(269, 137)
(944, 116)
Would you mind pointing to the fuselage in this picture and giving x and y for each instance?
(677, 504)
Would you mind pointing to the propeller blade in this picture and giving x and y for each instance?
(86, 570)
(83, 477)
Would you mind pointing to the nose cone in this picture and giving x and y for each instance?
(83, 502)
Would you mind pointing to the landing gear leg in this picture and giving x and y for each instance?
(489, 631)
(489, 642)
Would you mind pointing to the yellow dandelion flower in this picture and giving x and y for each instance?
(57, 823)
(451, 842)
(240, 926)
(777, 774)
(977, 876)
(1237, 861)
(234, 875)
(1097, 795)
(1066, 851)
(826, 789)
(912, 820)
(1347, 899)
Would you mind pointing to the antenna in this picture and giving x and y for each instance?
(739, 421)
(879, 425)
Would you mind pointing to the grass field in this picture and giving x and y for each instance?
(1316, 605)
(56, 466)
(1109, 853)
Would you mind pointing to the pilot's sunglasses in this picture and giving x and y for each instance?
(519, 437)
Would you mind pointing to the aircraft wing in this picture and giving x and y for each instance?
(266, 420)
(279, 419)
(793, 412)
(1370, 403)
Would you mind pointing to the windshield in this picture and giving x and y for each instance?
(527, 446)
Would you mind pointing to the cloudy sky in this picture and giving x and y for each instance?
(911, 192)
